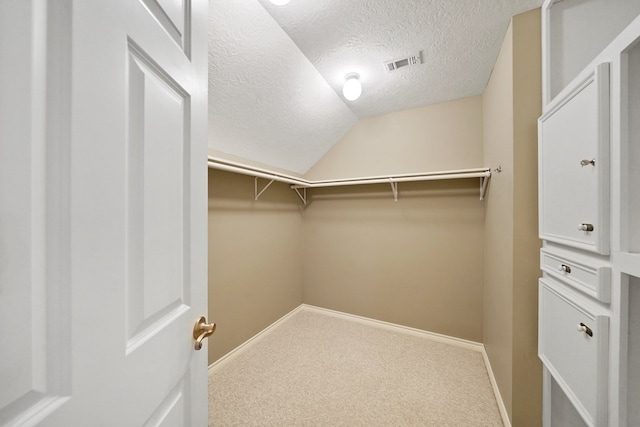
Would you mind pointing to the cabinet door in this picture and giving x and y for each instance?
(574, 166)
(574, 347)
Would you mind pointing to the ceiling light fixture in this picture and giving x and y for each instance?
(352, 88)
(279, 2)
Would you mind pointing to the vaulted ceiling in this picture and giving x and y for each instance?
(276, 72)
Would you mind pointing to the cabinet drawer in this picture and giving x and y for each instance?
(573, 345)
(574, 166)
(593, 280)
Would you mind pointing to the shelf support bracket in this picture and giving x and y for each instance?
(258, 194)
(394, 188)
(484, 180)
(303, 195)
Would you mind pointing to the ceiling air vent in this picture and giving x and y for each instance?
(408, 61)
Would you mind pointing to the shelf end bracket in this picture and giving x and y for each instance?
(484, 181)
(394, 188)
(255, 186)
(303, 195)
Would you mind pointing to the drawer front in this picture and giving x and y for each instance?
(573, 345)
(592, 280)
(574, 166)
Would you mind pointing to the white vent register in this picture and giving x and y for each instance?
(408, 61)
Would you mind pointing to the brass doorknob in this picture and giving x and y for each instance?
(202, 330)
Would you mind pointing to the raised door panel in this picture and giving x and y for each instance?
(35, 347)
(158, 199)
(573, 345)
(574, 166)
(173, 16)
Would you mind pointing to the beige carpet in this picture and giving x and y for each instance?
(318, 370)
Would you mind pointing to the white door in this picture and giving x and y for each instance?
(102, 212)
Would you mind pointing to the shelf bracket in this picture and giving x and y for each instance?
(258, 194)
(303, 195)
(394, 188)
(484, 180)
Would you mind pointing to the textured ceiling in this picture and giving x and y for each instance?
(267, 102)
(460, 40)
(276, 72)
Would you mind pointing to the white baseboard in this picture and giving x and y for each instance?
(251, 341)
(496, 391)
(458, 342)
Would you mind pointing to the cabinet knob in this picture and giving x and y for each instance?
(585, 227)
(586, 162)
(584, 328)
(565, 268)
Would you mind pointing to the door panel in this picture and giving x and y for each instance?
(172, 411)
(158, 200)
(34, 339)
(577, 360)
(105, 205)
(173, 17)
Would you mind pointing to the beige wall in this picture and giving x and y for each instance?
(498, 238)
(527, 107)
(436, 137)
(511, 105)
(255, 258)
(416, 262)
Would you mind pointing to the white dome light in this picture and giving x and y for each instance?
(279, 2)
(352, 88)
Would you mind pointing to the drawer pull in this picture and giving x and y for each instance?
(585, 227)
(584, 328)
(565, 268)
(586, 162)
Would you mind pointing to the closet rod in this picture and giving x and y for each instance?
(394, 178)
(231, 166)
(298, 183)
(408, 175)
(254, 173)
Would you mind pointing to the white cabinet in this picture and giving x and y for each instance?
(574, 166)
(573, 344)
(589, 176)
